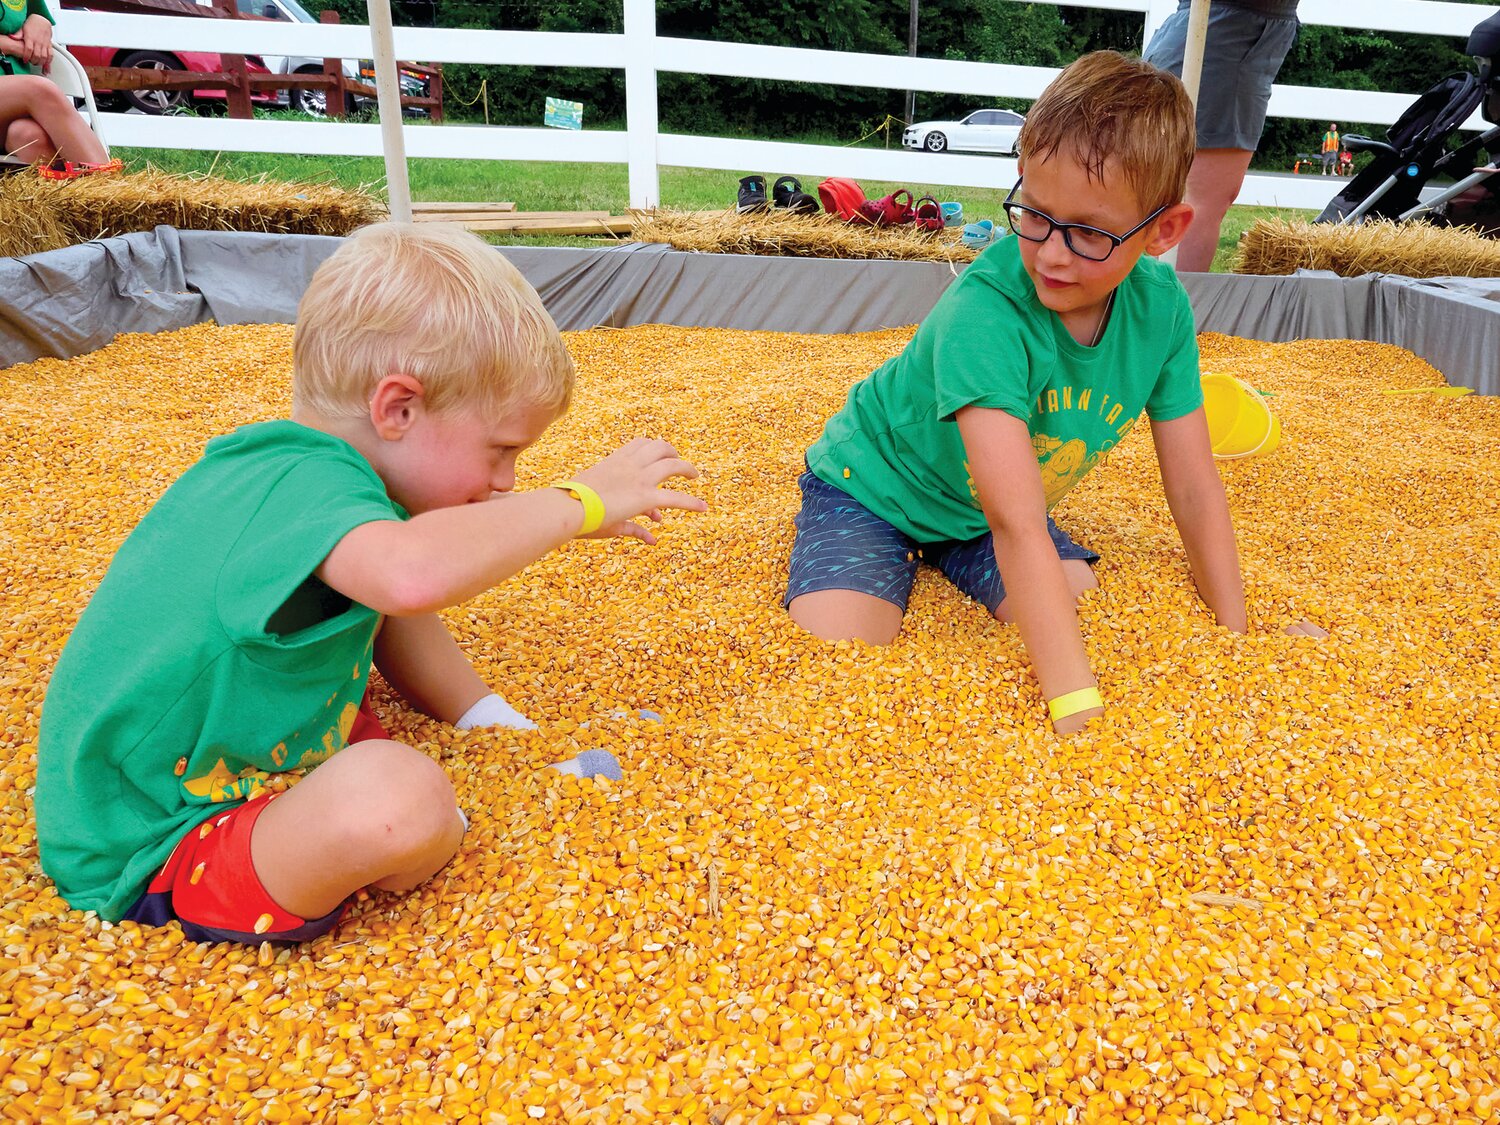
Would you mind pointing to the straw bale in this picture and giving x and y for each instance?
(28, 224)
(38, 214)
(1280, 246)
(779, 233)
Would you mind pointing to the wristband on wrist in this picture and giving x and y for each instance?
(1074, 702)
(593, 507)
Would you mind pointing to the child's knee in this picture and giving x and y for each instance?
(408, 809)
(1080, 576)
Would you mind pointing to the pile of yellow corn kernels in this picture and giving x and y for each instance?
(838, 884)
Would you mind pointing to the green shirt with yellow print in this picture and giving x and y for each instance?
(209, 658)
(13, 13)
(896, 448)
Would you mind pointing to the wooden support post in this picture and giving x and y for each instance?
(237, 94)
(334, 68)
(435, 91)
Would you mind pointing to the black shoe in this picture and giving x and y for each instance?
(752, 194)
(787, 193)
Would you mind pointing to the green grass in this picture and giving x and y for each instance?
(1237, 222)
(549, 186)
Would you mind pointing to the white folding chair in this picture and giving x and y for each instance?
(68, 75)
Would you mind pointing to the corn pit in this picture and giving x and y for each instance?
(839, 884)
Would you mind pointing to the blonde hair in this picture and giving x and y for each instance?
(434, 302)
(1107, 107)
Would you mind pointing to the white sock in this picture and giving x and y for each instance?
(492, 711)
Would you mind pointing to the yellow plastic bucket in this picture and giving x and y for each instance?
(1240, 424)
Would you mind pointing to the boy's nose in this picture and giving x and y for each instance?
(1055, 246)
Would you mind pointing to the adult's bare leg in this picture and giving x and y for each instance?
(32, 96)
(1213, 183)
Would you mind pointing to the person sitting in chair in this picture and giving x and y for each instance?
(38, 123)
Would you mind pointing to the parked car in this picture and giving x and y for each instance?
(984, 130)
(315, 102)
(161, 101)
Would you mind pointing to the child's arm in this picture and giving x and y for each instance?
(421, 660)
(1003, 464)
(1195, 495)
(446, 556)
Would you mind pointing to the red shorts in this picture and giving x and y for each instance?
(209, 885)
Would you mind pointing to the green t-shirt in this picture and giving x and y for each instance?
(13, 13)
(209, 657)
(896, 448)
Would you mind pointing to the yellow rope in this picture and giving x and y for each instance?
(884, 126)
(484, 84)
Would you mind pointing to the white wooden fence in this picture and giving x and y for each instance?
(642, 54)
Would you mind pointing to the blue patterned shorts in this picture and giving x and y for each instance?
(842, 545)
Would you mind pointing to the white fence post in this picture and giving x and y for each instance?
(388, 98)
(641, 116)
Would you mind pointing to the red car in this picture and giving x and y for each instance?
(161, 101)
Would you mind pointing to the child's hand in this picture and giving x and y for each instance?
(629, 482)
(1072, 724)
(1305, 628)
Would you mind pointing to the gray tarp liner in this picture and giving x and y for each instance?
(67, 302)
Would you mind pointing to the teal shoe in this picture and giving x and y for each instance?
(978, 235)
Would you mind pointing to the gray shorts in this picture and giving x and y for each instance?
(842, 545)
(1240, 60)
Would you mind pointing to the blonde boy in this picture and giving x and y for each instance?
(233, 635)
(1028, 371)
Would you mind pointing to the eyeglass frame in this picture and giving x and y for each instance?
(1116, 240)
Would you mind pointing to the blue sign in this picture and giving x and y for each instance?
(563, 114)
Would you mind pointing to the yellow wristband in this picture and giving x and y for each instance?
(1074, 702)
(593, 507)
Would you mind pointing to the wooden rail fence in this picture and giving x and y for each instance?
(237, 81)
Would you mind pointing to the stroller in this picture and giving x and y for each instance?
(1391, 185)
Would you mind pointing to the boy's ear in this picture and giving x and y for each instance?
(1170, 227)
(395, 405)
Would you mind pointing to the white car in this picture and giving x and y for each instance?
(315, 102)
(984, 130)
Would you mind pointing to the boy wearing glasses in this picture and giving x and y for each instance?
(1028, 371)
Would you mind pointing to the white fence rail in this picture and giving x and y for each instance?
(642, 54)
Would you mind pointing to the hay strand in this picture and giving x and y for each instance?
(784, 234)
(38, 214)
(1279, 246)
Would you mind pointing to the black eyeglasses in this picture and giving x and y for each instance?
(1087, 242)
